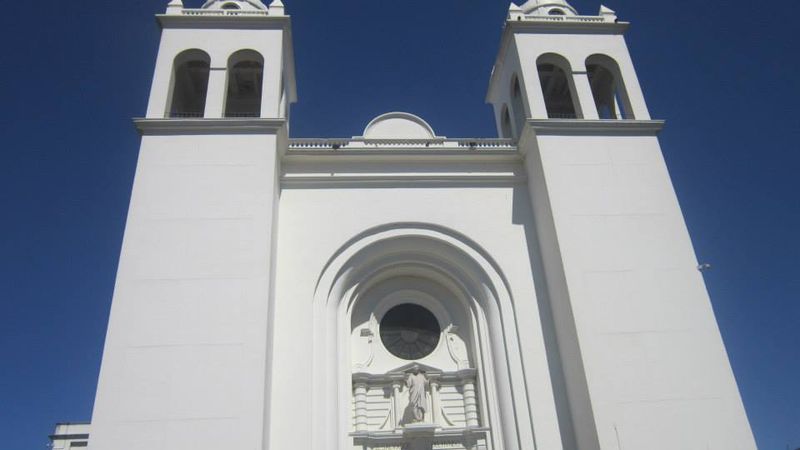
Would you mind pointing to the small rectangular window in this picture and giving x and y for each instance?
(79, 444)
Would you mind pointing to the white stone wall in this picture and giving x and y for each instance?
(316, 223)
(185, 359)
(652, 371)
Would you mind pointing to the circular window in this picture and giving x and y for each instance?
(410, 331)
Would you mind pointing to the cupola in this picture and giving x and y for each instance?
(251, 5)
(548, 8)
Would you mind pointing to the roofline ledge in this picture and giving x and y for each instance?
(248, 22)
(547, 26)
(148, 127)
(561, 127)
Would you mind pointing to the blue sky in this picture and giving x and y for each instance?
(723, 75)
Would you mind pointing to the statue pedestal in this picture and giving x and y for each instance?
(419, 436)
(419, 429)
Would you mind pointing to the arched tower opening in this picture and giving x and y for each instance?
(189, 84)
(518, 104)
(505, 124)
(555, 76)
(608, 88)
(245, 79)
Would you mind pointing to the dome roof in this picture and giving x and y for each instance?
(398, 125)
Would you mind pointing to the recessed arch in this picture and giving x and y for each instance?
(442, 256)
(558, 87)
(245, 84)
(189, 87)
(608, 88)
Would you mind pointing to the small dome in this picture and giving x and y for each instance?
(548, 8)
(398, 125)
(234, 4)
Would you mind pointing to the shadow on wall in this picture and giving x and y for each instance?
(523, 215)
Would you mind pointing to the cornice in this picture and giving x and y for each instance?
(223, 21)
(595, 127)
(148, 127)
(393, 180)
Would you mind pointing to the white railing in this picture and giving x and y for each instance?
(372, 144)
(222, 12)
(594, 19)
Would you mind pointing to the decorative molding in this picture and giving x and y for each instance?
(456, 347)
(149, 127)
(371, 335)
(400, 374)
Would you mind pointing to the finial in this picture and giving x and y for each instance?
(174, 7)
(276, 8)
(515, 12)
(608, 14)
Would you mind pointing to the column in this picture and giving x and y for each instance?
(361, 406)
(396, 403)
(470, 404)
(435, 408)
(585, 98)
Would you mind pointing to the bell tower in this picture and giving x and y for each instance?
(642, 358)
(186, 362)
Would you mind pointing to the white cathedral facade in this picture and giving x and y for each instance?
(402, 289)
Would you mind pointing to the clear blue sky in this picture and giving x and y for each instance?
(74, 73)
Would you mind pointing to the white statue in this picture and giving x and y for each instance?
(416, 382)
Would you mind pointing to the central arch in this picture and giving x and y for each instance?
(455, 263)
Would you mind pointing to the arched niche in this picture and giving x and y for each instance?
(440, 269)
